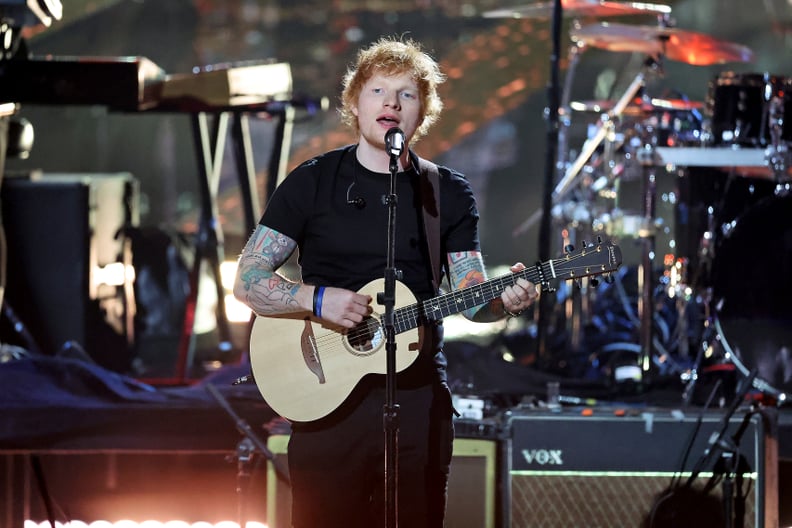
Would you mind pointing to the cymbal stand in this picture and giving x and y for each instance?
(777, 154)
(577, 307)
(565, 111)
(564, 122)
(573, 172)
(646, 269)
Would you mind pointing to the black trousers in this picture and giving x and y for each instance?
(337, 466)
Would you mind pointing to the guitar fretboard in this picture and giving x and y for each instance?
(409, 317)
(591, 260)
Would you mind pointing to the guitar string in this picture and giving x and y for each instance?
(408, 316)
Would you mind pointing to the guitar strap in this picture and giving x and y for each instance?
(430, 198)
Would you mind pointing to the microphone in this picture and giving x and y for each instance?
(358, 202)
(394, 141)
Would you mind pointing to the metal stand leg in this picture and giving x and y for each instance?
(209, 243)
(210, 146)
(646, 270)
(251, 203)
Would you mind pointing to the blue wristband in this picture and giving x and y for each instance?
(317, 300)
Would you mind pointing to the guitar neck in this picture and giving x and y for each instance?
(590, 260)
(435, 309)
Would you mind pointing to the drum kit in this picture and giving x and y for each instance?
(728, 161)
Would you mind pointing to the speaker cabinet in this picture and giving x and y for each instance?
(609, 470)
(471, 485)
(63, 231)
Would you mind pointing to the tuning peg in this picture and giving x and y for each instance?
(594, 281)
(569, 248)
(578, 284)
(609, 278)
(599, 239)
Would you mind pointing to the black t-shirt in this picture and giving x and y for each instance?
(343, 245)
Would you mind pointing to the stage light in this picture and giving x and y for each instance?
(113, 274)
(236, 312)
(143, 524)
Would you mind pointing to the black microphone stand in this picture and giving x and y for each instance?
(544, 305)
(247, 447)
(390, 414)
(728, 453)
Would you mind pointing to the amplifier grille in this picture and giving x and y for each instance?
(604, 500)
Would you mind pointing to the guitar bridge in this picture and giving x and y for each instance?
(310, 352)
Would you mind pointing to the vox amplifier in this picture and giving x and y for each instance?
(614, 469)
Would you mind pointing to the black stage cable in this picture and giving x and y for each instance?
(739, 397)
(689, 448)
(35, 462)
(676, 481)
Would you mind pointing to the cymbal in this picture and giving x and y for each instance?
(604, 106)
(640, 106)
(682, 105)
(679, 45)
(579, 8)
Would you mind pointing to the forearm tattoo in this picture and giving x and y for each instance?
(267, 291)
(467, 269)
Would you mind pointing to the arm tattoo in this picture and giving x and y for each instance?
(467, 269)
(267, 291)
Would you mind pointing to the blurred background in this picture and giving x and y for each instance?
(493, 128)
(123, 216)
(498, 58)
(686, 67)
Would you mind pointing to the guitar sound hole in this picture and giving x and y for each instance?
(366, 337)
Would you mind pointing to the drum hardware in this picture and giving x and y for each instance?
(745, 108)
(662, 123)
(705, 347)
(645, 271)
(574, 9)
(777, 154)
(639, 107)
(578, 304)
(572, 175)
(618, 224)
(759, 383)
(581, 8)
(563, 133)
(749, 321)
(564, 108)
(674, 279)
(644, 227)
(710, 157)
(697, 49)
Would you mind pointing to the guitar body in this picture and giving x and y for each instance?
(305, 370)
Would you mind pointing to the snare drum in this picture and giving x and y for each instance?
(739, 107)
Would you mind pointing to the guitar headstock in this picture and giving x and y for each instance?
(591, 260)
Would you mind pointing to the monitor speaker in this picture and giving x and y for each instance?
(63, 232)
(471, 485)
